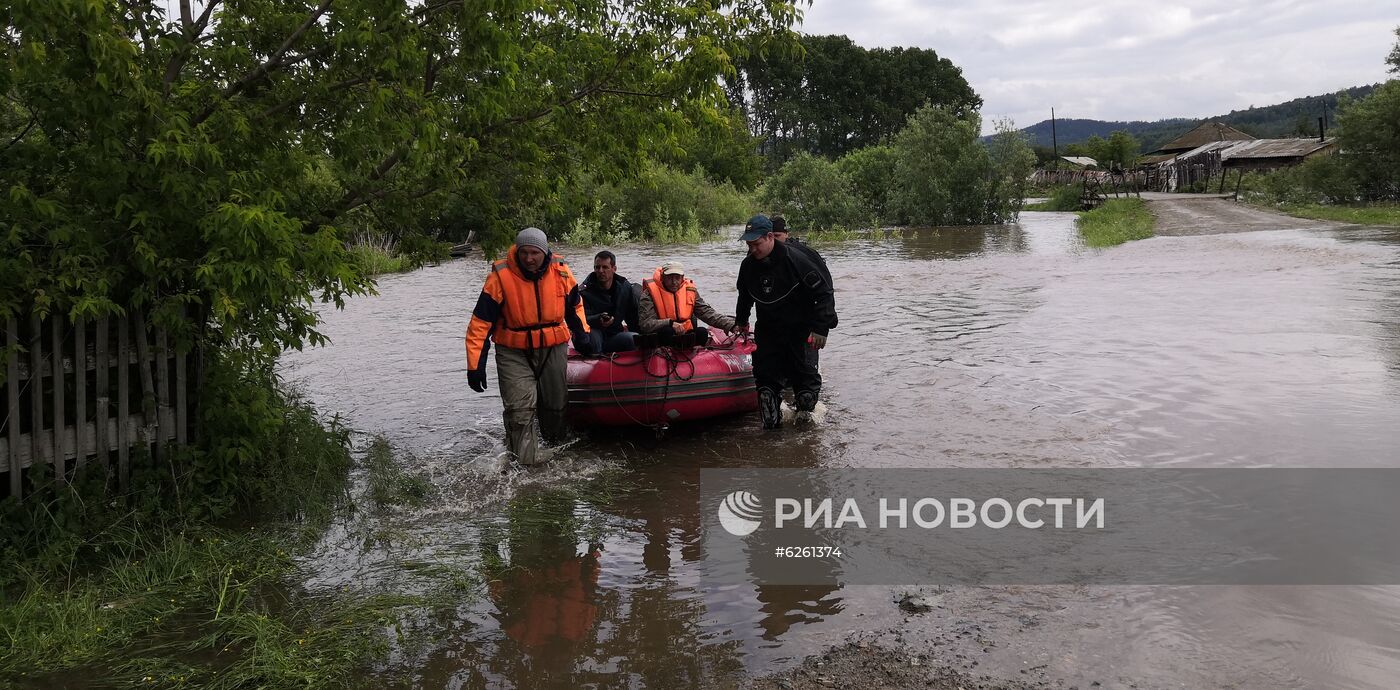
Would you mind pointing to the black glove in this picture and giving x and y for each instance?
(477, 380)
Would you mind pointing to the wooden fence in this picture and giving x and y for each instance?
(81, 392)
(1129, 180)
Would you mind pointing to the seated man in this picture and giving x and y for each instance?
(610, 303)
(671, 304)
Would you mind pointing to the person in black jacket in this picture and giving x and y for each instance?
(780, 233)
(610, 303)
(796, 311)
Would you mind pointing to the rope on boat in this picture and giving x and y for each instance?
(674, 358)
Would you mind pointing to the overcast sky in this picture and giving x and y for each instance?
(1127, 59)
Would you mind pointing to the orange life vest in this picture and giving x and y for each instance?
(533, 310)
(673, 306)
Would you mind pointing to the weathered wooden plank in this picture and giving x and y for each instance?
(36, 387)
(161, 363)
(12, 396)
(149, 404)
(123, 404)
(182, 419)
(60, 382)
(102, 396)
(80, 414)
(27, 445)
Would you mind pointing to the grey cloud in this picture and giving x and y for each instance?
(1123, 60)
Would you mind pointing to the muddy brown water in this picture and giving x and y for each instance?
(1004, 346)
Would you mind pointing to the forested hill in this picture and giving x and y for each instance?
(1297, 117)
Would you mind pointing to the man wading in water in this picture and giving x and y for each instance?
(528, 298)
(796, 310)
(780, 233)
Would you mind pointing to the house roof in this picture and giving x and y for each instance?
(1207, 147)
(1081, 160)
(1204, 133)
(1276, 148)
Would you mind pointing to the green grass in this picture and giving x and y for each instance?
(1115, 222)
(191, 606)
(1372, 214)
(389, 483)
(828, 235)
(1063, 198)
(137, 594)
(378, 261)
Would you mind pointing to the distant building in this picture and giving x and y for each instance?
(1082, 162)
(1202, 134)
(1203, 154)
(1269, 154)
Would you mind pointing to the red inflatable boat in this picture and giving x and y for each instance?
(662, 386)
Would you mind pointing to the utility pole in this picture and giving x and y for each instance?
(1054, 143)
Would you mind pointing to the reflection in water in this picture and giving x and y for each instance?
(995, 347)
(786, 605)
(542, 586)
(926, 244)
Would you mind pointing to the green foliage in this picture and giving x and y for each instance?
(145, 589)
(1319, 180)
(1115, 222)
(813, 194)
(661, 204)
(263, 452)
(724, 148)
(1357, 214)
(373, 260)
(218, 160)
(945, 176)
(1366, 169)
(831, 96)
(189, 605)
(389, 483)
(1119, 150)
(871, 173)
(1394, 58)
(1012, 162)
(1370, 142)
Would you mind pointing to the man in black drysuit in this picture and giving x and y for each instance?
(780, 233)
(796, 311)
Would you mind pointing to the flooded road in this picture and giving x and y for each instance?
(971, 347)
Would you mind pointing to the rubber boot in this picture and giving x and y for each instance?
(806, 402)
(770, 407)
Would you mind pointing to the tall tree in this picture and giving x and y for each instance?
(1370, 140)
(832, 96)
(943, 174)
(1394, 58)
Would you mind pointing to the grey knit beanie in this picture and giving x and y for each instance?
(533, 237)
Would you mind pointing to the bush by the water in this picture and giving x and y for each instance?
(935, 171)
(661, 204)
(1115, 222)
(1061, 198)
(871, 173)
(1322, 180)
(945, 176)
(813, 194)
